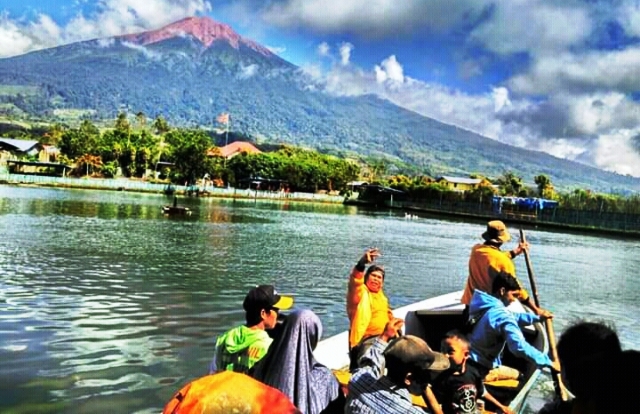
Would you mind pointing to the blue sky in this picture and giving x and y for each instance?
(560, 76)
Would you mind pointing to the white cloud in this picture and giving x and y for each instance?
(389, 70)
(629, 17)
(615, 152)
(345, 53)
(617, 70)
(500, 98)
(13, 40)
(248, 71)
(148, 53)
(110, 18)
(324, 49)
(533, 26)
(278, 50)
(591, 128)
(373, 18)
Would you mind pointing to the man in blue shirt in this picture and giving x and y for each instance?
(408, 360)
(497, 326)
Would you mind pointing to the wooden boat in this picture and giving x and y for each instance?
(430, 319)
(175, 209)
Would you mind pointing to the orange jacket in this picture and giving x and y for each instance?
(228, 392)
(484, 263)
(368, 312)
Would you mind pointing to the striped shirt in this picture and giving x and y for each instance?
(372, 393)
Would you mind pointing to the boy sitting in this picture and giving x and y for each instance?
(458, 387)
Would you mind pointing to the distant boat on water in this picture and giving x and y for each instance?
(175, 209)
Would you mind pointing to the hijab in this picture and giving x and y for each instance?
(291, 367)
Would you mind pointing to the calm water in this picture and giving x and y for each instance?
(107, 306)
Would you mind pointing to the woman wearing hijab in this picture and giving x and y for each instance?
(290, 367)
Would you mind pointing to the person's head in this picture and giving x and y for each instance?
(582, 348)
(455, 345)
(262, 304)
(374, 278)
(506, 288)
(410, 362)
(306, 323)
(496, 233)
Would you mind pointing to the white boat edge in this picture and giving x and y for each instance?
(333, 351)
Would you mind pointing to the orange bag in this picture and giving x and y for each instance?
(229, 392)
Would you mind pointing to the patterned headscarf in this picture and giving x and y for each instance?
(290, 366)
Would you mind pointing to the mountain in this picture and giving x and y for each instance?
(194, 69)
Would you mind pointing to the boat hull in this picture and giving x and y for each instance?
(430, 319)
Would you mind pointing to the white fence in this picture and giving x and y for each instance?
(123, 184)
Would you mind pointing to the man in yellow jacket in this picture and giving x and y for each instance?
(487, 261)
(367, 305)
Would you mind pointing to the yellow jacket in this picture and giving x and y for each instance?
(368, 311)
(485, 262)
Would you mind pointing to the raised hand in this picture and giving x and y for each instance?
(369, 256)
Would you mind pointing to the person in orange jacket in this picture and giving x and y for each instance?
(487, 261)
(367, 306)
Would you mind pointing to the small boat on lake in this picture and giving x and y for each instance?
(431, 319)
(175, 209)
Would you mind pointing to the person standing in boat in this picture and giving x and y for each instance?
(367, 306)
(240, 348)
(487, 260)
(497, 326)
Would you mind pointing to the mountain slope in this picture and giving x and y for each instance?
(194, 69)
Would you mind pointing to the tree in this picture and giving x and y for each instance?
(141, 120)
(161, 126)
(545, 188)
(189, 154)
(511, 183)
(122, 123)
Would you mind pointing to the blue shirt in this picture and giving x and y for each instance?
(372, 393)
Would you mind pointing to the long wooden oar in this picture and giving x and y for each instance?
(557, 381)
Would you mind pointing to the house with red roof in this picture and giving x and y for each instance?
(233, 149)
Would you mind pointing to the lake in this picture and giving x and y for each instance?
(106, 305)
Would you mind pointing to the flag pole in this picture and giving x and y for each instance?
(226, 137)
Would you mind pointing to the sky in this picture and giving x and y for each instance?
(559, 76)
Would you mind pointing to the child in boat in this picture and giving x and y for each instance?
(458, 388)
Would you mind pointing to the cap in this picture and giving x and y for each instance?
(266, 297)
(496, 232)
(412, 351)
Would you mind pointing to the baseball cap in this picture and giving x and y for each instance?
(413, 352)
(266, 297)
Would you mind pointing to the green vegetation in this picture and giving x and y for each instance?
(138, 148)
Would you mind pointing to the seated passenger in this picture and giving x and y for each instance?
(408, 360)
(290, 367)
(497, 326)
(367, 306)
(240, 348)
(583, 348)
(458, 388)
(228, 392)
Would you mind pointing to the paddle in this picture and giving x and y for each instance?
(557, 381)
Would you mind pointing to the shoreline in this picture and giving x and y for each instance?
(19, 180)
(528, 221)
